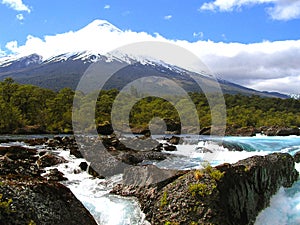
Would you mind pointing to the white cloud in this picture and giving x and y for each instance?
(107, 7)
(282, 84)
(17, 5)
(199, 35)
(261, 65)
(20, 17)
(253, 65)
(168, 17)
(98, 36)
(285, 10)
(277, 9)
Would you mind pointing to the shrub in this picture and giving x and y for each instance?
(198, 174)
(164, 199)
(31, 222)
(201, 189)
(5, 206)
(216, 174)
(213, 172)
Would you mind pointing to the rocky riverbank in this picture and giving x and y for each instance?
(227, 194)
(26, 197)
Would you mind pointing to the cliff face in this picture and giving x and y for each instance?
(228, 194)
(249, 184)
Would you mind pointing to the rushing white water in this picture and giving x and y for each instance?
(94, 194)
(284, 207)
(109, 209)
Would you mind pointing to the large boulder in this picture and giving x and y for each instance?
(228, 194)
(49, 159)
(40, 202)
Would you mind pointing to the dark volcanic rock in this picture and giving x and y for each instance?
(29, 198)
(18, 160)
(175, 140)
(250, 183)
(55, 175)
(130, 159)
(83, 166)
(170, 148)
(297, 157)
(151, 155)
(149, 175)
(241, 131)
(75, 151)
(17, 152)
(32, 199)
(49, 159)
(205, 131)
(280, 131)
(105, 129)
(228, 194)
(41, 202)
(287, 131)
(94, 173)
(63, 142)
(36, 141)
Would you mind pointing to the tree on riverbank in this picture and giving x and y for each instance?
(27, 106)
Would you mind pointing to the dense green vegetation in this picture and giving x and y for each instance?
(30, 106)
(27, 106)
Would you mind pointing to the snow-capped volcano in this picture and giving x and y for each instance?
(98, 37)
(65, 70)
(59, 61)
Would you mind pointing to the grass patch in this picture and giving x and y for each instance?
(164, 200)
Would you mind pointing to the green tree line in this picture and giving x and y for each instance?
(23, 106)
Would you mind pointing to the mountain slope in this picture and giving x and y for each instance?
(65, 70)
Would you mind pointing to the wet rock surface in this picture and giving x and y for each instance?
(29, 198)
(110, 155)
(297, 157)
(228, 194)
(49, 159)
(38, 201)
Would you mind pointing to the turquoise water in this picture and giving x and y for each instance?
(284, 207)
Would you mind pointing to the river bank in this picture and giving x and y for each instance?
(58, 159)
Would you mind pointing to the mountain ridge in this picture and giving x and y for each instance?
(66, 70)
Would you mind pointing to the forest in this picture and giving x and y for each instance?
(23, 107)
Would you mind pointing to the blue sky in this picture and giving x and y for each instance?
(173, 19)
(260, 37)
